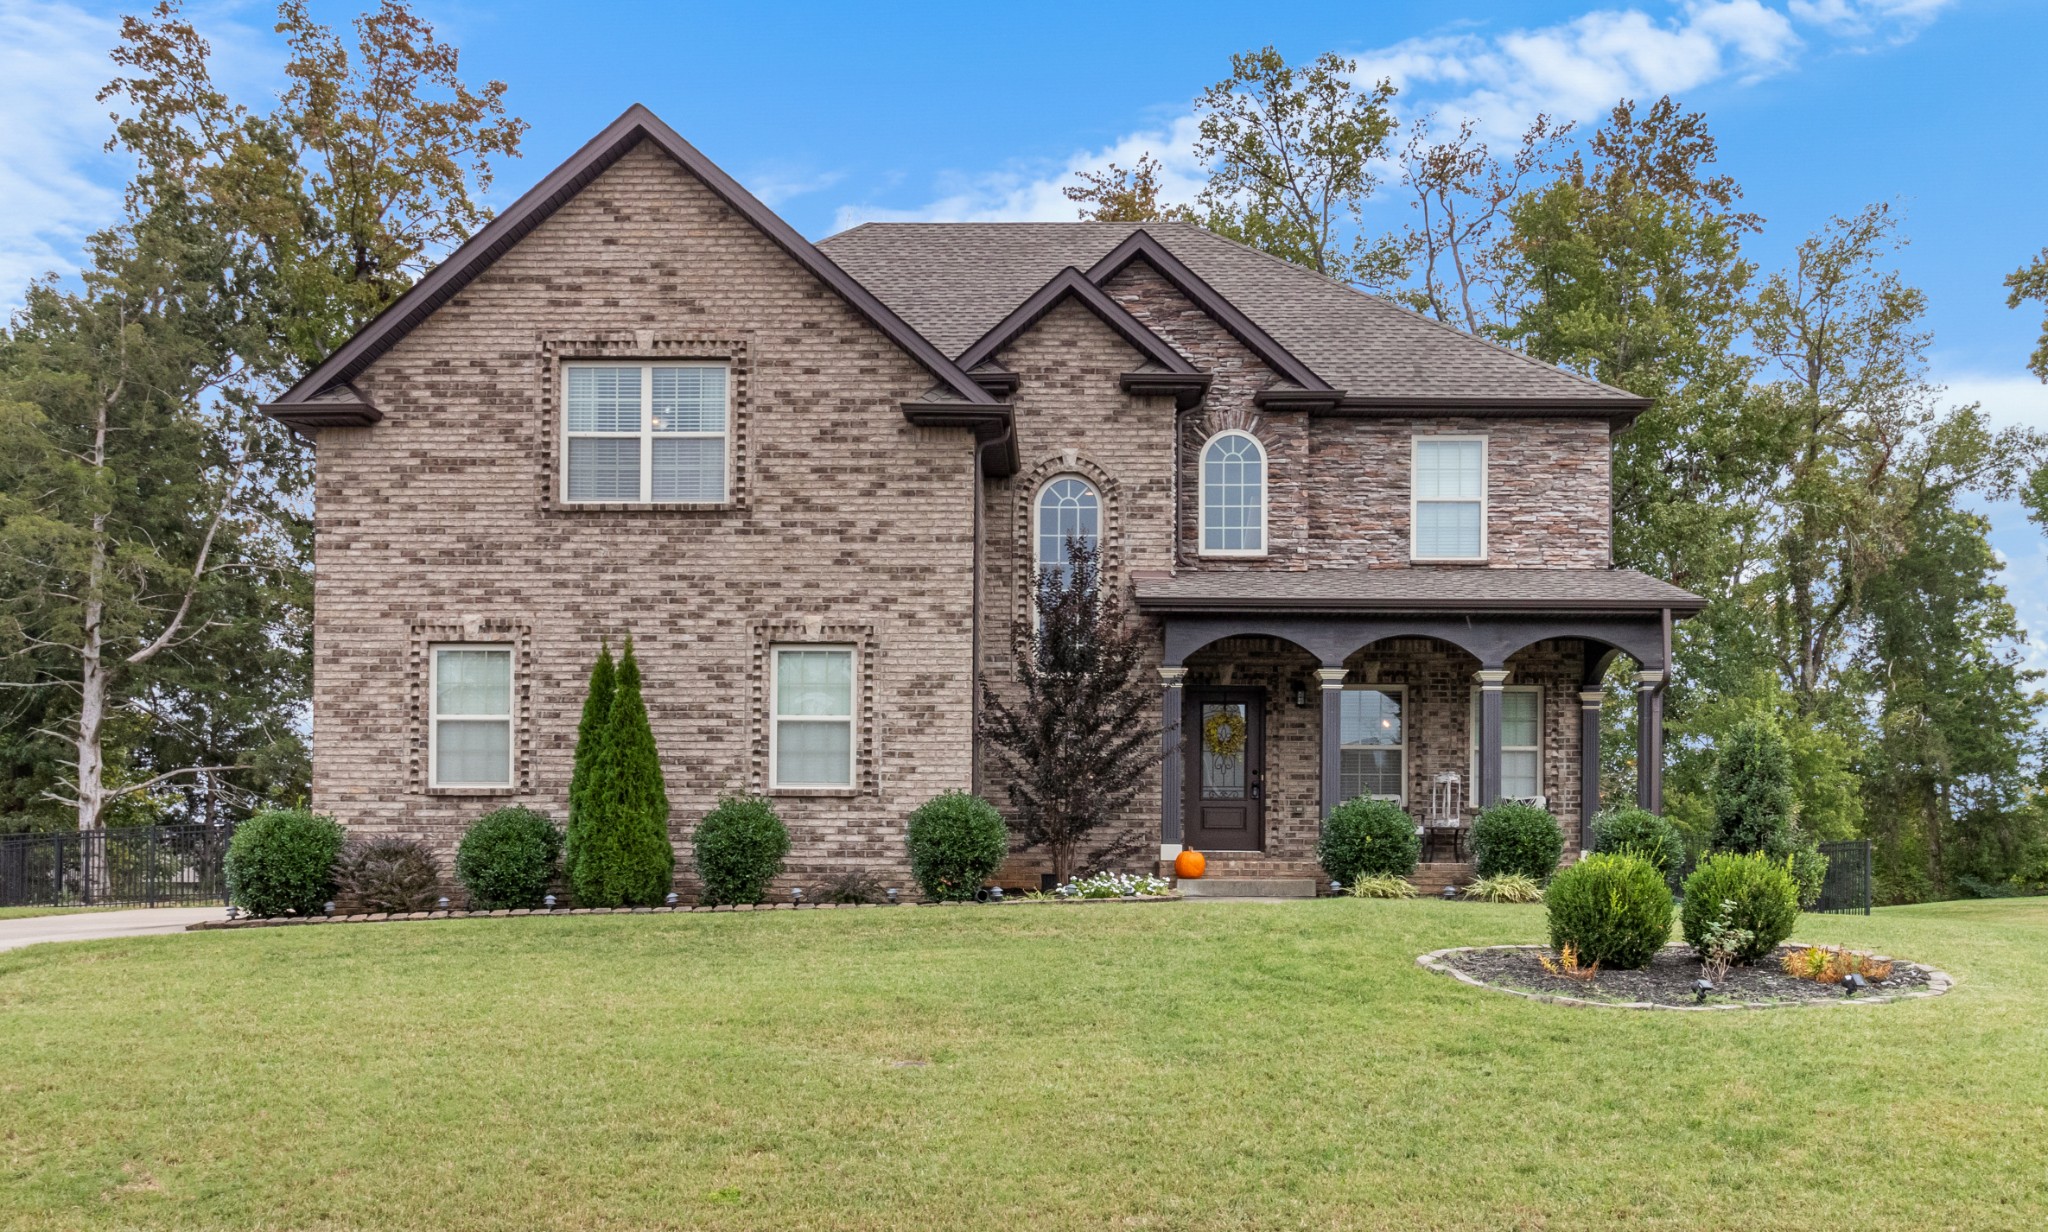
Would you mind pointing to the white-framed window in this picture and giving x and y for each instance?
(645, 433)
(1521, 741)
(1448, 516)
(1373, 741)
(1068, 507)
(810, 703)
(1233, 496)
(469, 716)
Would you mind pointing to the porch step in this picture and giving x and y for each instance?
(1247, 887)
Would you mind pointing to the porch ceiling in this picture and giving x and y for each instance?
(1415, 589)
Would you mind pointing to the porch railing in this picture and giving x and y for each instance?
(140, 866)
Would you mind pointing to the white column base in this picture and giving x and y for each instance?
(1167, 852)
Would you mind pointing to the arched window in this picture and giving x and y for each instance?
(1068, 508)
(1233, 495)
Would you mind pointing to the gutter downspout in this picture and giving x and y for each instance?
(976, 475)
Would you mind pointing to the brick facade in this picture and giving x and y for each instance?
(844, 525)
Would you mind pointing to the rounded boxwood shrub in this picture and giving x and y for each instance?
(740, 846)
(1613, 909)
(1754, 893)
(281, 861)
(957, 841)
(1368, 838)
(390, 874)
(1640, 832)
(507, 858)
(1516, 838)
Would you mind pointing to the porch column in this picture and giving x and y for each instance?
(1491, 682)
(1589, 763)
(1170, 766)
(1332, 680)
(1650, 741)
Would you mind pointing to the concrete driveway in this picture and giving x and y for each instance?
(93, 925)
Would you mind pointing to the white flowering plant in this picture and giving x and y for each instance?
(1114, 885)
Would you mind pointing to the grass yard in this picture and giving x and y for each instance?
(29, 913)
(1200, 1065)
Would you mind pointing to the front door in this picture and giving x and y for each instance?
(1225, 740)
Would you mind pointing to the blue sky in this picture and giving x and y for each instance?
(836, 113)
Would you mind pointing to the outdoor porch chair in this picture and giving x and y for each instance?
(1445, 821)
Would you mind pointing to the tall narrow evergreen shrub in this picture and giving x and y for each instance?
(597, 711)
(624, 858)
(1752, 789)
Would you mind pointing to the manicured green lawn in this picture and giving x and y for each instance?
(1199, 1065)
(29, 913)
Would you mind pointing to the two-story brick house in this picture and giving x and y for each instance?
(814, 484)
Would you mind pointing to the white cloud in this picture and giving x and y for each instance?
(2018, 399)
(53, 58)
(1573, 70)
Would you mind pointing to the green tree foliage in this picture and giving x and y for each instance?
(1752, 789)
(2030, 282)
(590, 734)
(1115, 194)
(1640, 833)
(153, 529)
(623, 854)
(1073, 735)
(1292, 156)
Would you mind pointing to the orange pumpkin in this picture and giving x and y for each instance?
(1190, 864)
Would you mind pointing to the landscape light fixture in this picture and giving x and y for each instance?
(995, 894)
(672, 899)
(441, 903)
(1450, 893)
(1700, 988)
(892, 896)
(1853, 983)
(327, 908)
(1336, 887)
(234, 912)
(548, 902)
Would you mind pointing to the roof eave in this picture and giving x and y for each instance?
(1214, 606)
(1070, 283)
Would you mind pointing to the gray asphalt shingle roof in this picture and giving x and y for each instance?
(953, 281)
(1419, 587)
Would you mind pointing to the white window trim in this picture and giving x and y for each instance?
(1399, 691)
(646, 435)
(434, 650)
(1416, 502)
(1542, 734)
(852, 719)
(1038, 523)
(1202, 547)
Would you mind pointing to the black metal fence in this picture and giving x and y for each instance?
(142, 866)
(1847, 887)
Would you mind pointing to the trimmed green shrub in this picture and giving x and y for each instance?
(739, 847)
(1809, 868)
(389, 874)
(623, 854)
(1509, 837)
(1365, 838)
(590, 733)
(1613, 909)
(507, 858)
(1751, 789)
(957, 841)
(1751, 892)
(282, 861)
(1640, 832)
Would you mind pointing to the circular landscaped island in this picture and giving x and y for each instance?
(1670, 980)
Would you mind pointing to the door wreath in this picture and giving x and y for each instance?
(1223, 733)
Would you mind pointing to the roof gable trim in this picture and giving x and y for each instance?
(539, 203)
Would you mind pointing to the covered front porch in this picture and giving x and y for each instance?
(1285, 694)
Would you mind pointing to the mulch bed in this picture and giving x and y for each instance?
(1667, 982)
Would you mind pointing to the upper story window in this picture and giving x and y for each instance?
(1449, 516)
(469, 717)
(645, 433)
(1233, 495)
(1068, 508)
